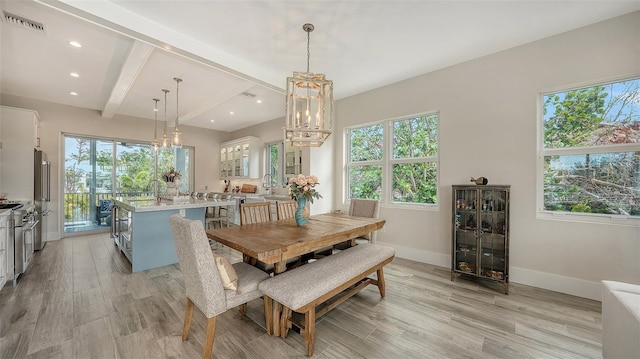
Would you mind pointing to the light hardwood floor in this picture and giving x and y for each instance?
(79, 299)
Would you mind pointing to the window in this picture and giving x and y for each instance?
(90, 175)
(590, 158)
(395, 161)
(273, 163)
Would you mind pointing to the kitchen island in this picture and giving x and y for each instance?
(141, 229)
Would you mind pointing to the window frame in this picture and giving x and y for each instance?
(267, 160)
(387, 162)
(542, 152)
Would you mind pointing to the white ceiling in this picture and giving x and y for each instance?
(222, 49)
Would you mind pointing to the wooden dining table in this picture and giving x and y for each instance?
(276, 241)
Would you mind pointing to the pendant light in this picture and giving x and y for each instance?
(309, 105)
(165, 138)
(155, 142)
(176, 142)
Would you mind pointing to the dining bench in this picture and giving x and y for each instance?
(305, 288)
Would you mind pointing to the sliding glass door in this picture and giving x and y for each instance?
(98, 169)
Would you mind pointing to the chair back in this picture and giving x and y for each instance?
(257, 212)
(201, 276)
(286, 209)
(104, 205)
(369, 208)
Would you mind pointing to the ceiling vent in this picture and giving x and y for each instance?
(248, 94)
(24, 23)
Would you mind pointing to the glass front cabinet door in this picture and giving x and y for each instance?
(240, 158)
(480, 246)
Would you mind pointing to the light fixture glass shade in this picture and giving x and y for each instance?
(176, 142)
(165, 139)
(309, 114)
(155, 143)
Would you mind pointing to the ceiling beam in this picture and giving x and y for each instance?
(133, 64)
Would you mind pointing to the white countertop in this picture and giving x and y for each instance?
(137, 204)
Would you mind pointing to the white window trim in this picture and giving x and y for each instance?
(544, 214)
(388, 161)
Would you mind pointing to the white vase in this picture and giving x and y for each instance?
(172, 190)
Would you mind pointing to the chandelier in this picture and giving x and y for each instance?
(176, 142)
(155, 142)
(309, 106)
(165, 138)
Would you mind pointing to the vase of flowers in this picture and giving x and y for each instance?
(302, 189)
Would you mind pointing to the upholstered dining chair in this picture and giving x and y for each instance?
(202, 279)
(369, 208)
(257, 212)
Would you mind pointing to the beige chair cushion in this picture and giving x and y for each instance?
(228, 275)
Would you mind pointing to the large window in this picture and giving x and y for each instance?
(395, 161)
(90, 175)
(590, 157)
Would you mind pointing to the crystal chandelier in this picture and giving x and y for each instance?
(176, 142)
(309, 106)
(155, 142)
(165, 138)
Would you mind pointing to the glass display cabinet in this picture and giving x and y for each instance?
(240, 158)
(480, 246)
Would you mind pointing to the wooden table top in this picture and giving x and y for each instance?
(277, 241)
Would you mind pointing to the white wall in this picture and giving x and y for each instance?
(56, 119)
(488, 124)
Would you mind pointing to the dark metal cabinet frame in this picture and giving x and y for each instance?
(480, 233)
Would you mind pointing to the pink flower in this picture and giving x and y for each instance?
(312, 180)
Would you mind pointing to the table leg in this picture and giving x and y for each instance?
(279, 267)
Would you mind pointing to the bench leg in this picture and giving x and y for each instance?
(275, 320)
(310, 330)
(381, 286)
(284, 321)
(268, 314)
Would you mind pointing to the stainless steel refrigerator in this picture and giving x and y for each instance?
(41, 196)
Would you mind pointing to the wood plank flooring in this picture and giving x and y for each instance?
(79, 299)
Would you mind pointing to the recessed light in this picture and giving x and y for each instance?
(72, 93)
(231, 113)
(75, 44)
(212, 121)
(74, 74)
(259, 101)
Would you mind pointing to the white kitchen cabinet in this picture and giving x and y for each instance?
(240, 158)
(4, 246)
(18, 131)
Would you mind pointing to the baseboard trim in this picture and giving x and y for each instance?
(557, 283)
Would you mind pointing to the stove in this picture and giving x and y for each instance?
(7, 204)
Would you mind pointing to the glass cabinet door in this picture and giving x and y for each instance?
(234, 160)
(223, 163)
(466, 248)
(492, 233)
(245, 159)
